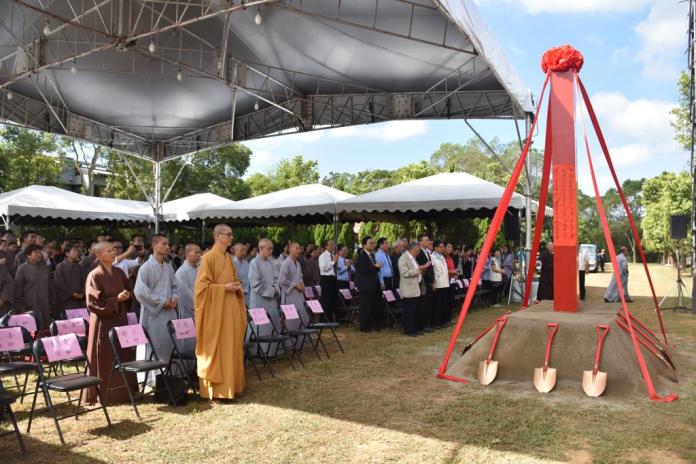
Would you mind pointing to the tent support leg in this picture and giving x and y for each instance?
(158, 195)
(528, 198)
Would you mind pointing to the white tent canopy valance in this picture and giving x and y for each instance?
(177, 210)
(457, 191)
(295, 202)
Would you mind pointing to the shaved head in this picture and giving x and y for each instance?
(221, 229)
(99, 247)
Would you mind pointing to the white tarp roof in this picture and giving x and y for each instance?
(304, 200)
(441, 192)
(40, 201)
(177, 210)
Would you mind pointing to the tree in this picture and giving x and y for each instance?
(28, 157)
(287, 173)
(84, 155)
(663, 196)
(681, 121)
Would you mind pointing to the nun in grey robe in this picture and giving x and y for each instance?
(242, 267)
(290, 276)
(156, 283)
(612, 293)
(186, 279)
(264, 294)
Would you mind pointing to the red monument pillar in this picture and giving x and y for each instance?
(561, 124)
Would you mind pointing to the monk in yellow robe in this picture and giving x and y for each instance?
(221, 321)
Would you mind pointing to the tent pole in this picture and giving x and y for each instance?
(158, 194)
(528, 197)
(202, 232)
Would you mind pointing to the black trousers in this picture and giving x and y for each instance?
(408, 317)
(342, 284)
(389, 284)
(371, 309)
(329, 296)
(426, 309)
(440, 306)
(581, 278)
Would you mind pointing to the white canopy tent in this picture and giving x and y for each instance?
(430, 197)
(177, 210)
(305, 203)
(43, 203)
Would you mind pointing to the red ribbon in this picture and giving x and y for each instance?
(488, 243)
(615, 267)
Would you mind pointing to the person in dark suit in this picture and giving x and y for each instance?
(426, 313)
(545, 291)
(367, 281)
(397, 251)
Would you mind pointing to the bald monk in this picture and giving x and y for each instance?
(107, 295)
(220, 321)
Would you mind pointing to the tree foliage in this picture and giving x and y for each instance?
(663, 196)
(681, 121)
(28, 157)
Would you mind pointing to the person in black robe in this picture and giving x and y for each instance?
(545, 291)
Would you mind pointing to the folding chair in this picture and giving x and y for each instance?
(78, 326)
(132, 318)
(180, 330)
(392, 307)
(6, 401)
(349, 305)
(248, 357)
(63, 348)
(15, 342)
(130, 336)
(317, 291)
(26, 320)
(296, 329)
(75, 313)
(309, 293)
(258, 320)
(317, 311)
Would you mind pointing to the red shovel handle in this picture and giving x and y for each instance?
(500, 323)
(602, 331)
(551, 329)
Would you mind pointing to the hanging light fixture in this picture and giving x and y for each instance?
(47, 28)
(9, 95)
(256, 105)
(152, 47)
(258, 19)
(179, 76)
(73, 68)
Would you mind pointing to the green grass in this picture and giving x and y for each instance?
(381, 402)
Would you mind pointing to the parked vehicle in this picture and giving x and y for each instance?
(591, 251)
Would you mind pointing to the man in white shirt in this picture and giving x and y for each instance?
(132, 256)
(329, 285)
(583, 267)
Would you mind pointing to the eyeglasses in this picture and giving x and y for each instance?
(228, 234)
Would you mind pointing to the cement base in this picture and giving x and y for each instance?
(522, 347)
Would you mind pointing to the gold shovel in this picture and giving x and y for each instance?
(545, 376)
(488, 369)
(594, 382)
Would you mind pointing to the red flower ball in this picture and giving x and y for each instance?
(563, 58)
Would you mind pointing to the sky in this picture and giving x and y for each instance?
(634, 51)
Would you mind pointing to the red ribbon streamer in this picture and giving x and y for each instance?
(634, 229)
(488, 243)
(615, 267)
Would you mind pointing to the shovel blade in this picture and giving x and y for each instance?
(594, 385)
(487, 371)
(544, 381)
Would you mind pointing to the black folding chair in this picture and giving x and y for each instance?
(6, 401)
(296, 329)
(181, 330)
(248, 357)
(314, 310)
(350, 305)
(15, 348)
(63, 348)
(259, 320)
(392, 307)
(130, 336)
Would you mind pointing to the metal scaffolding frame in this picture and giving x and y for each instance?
(44, 39)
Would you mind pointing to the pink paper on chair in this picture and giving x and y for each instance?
(23, 320)
(460, 284)
(290, 311)
(62, 347)
(76, 326)
(318, 290)
(466, 283)
(346, 293)
(75, 313)
(315, 306)
(184, 328)
(351, 285)
(11, 339)
(308, 293)
(389, 296)
(132, 318)
(259, 316)
(131, 335)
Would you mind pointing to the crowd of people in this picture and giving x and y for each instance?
(215, 286)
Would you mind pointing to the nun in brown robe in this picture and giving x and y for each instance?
(545, 291)
(108, 301)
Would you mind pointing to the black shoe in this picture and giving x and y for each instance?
(428, 330)
(628, 300)
(420, 332)
(607, 301)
